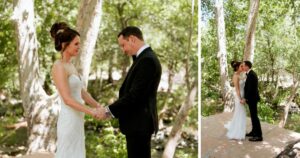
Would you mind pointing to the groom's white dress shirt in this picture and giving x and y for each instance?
(142, 49)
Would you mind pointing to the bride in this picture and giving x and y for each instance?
(237, 126)
(70, 124)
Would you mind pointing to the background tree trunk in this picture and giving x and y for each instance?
(88, 24)
(192, 88)
(175, 134)
(251, 25)
(171, 75)
(222, 55)
(288, 104)
(121, 18)
(40, 109)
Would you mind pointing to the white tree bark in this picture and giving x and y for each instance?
(222, 55)
(250, 33)
(40, 109)
(175, 134)
(288, 105)
(88, 24)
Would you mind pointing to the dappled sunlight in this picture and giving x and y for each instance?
(215, 144)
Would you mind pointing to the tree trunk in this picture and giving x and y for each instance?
(288, 104)
(276, 86)
(88, 24)
(175, 134)
(251, 24)
(121, 18)
(40, 109)
(185, 108)
(222, 55)
(171, 75)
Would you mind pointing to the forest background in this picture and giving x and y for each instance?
(28, 99)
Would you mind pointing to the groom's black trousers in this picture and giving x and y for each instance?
(256, 128)
(138, 145)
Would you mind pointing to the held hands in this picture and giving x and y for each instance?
(99, 113)
(243, 101)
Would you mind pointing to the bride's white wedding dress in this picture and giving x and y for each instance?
(237, 126)
(70, 125)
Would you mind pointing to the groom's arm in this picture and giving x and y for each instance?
(144, 76)
(253, 86)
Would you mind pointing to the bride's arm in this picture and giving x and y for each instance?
(60, 79)
(237, 86)
(86, 96)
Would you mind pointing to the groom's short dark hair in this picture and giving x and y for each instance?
(248, 63)
(131, 30)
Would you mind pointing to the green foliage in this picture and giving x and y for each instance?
(8, 60)
(164, 29)
(293, 122)
(210, 110)
(192, 120)
(12, 142)
(185, 154)
(107, 143)
(266, 113)
(276, 51)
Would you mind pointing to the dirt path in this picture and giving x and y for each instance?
(214, 143)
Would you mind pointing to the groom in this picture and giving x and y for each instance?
(252, 98)
(136, 107)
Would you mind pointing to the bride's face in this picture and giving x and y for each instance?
(73, 48)
(245, 68)
(241, 68)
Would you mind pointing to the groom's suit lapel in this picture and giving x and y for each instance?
(248, 76)
(131, 69)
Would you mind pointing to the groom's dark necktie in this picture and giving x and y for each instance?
(134, 57)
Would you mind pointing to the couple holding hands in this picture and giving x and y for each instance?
(135, 108)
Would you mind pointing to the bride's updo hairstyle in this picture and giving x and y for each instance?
(235, 65)
(62, 33)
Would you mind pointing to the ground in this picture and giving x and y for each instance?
(214, 143)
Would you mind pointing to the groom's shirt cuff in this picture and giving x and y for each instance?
(108, 111)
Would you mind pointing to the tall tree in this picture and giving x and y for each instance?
(192, 87)
(250, 33)
(295, 67)
(288, 103)
(88, 24)
(222, 55)
(40, 109)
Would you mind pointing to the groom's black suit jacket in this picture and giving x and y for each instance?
(251, 87)
(136, 107)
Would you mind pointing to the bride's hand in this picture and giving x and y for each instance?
(242, 101)
(99, 113)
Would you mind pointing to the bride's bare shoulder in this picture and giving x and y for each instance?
(57, 66)
(235, 76)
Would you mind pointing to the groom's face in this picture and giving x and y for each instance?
(245, 67)
(126, 45)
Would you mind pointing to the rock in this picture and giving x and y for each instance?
(291, 150)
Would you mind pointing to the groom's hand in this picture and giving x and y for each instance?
(99, 113)
(242, 101)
